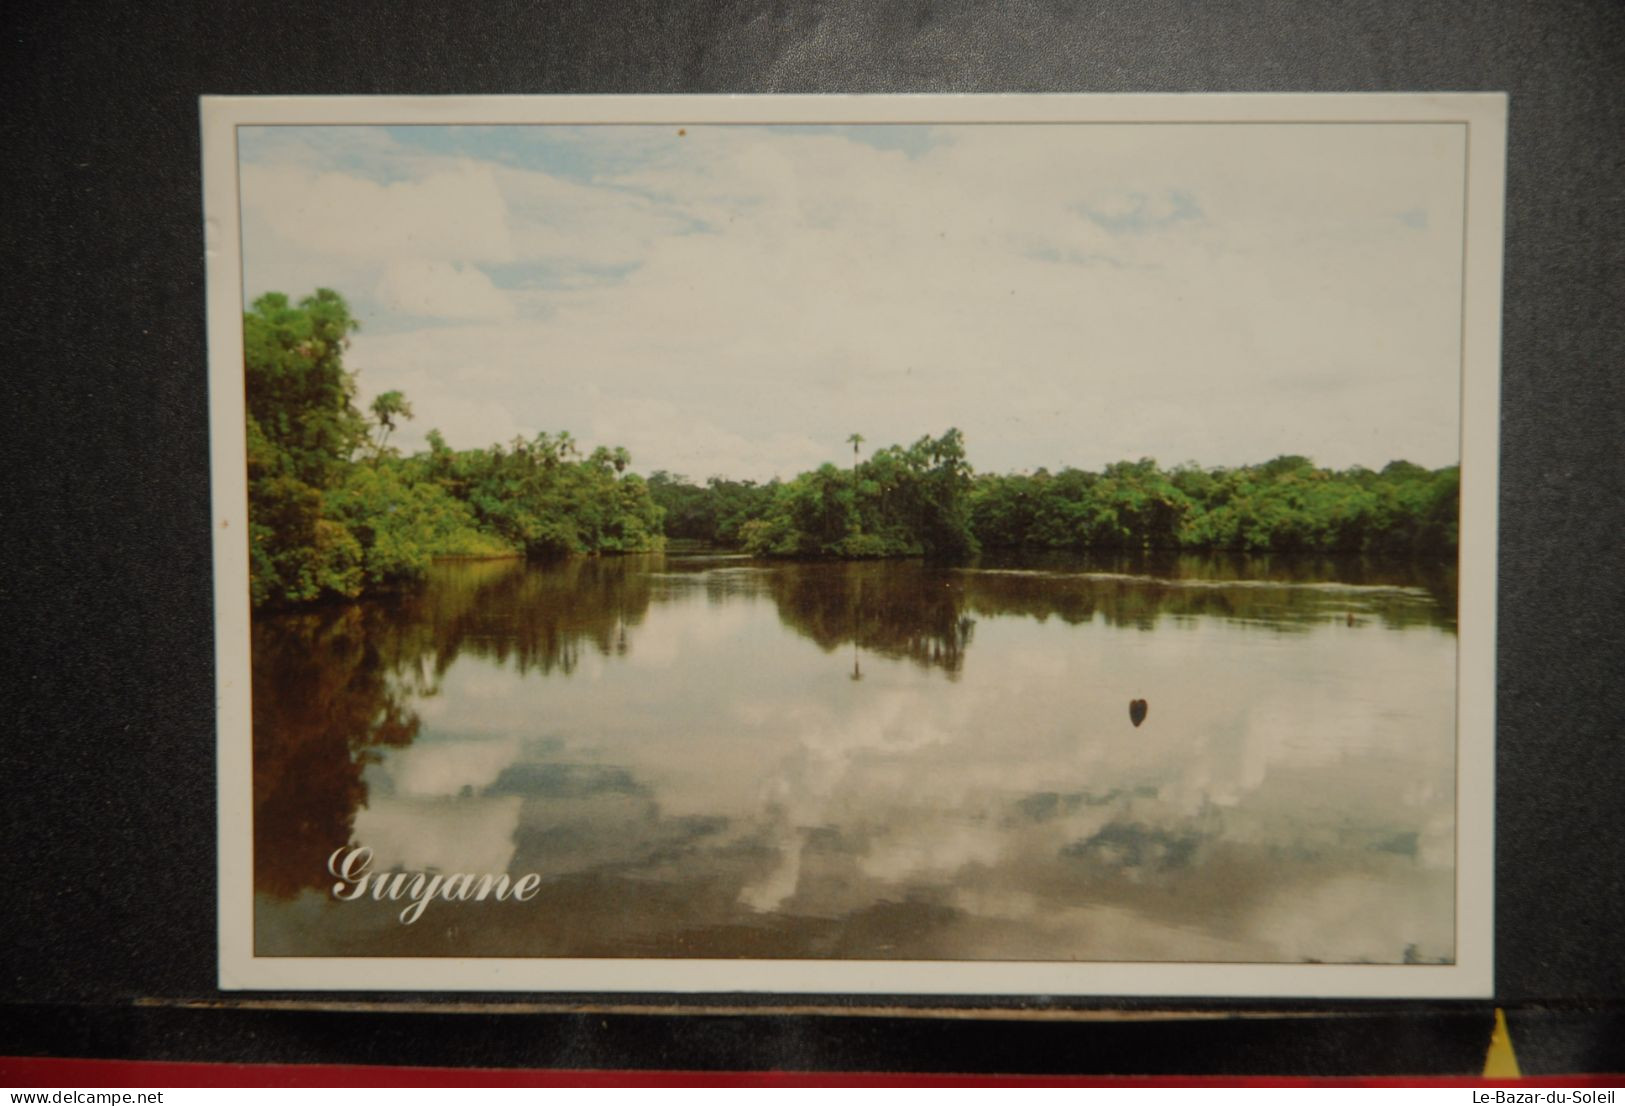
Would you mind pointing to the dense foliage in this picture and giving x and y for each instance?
(712, 514)
(1284, 505)
(923, 499)
(543, 497)
(334, 510)
(902, 501)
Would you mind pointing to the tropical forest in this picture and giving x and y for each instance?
(336, 511)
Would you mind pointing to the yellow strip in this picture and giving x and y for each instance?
(1501, 1062)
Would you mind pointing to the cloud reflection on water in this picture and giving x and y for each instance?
(699, 782)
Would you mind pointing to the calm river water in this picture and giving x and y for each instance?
(711, 756)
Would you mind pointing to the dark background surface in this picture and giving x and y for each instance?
(107, 764)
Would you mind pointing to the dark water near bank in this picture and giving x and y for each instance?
(710, 756)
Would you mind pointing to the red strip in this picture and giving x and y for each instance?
(18, 1071)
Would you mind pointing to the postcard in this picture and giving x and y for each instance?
(896, 545)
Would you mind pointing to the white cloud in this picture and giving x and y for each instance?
(444, 769)
(445, 834)
(562, 222)
(441, 289)
(455, 214)
(1064, 295)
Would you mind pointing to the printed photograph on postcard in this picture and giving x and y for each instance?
(900, 545)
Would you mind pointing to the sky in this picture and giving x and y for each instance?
(738, 300)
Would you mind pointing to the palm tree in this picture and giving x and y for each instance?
(856, 440)
(386, 409)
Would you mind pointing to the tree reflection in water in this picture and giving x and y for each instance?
(336, 687)
(325, 702)
(904, 610)
(333, 686)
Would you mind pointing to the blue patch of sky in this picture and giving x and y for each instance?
(1141, 217)
(577, 153)
(378, 321)
(574, 153)
(388, 325)
(1073, 257)
(545, 276)
(362, 151)
(388, 154)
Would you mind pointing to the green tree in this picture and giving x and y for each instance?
(386, 408)
(902, 501)
(296, 388)
(320, 524)
(302, 428)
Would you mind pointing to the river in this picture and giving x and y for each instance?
(703, 755)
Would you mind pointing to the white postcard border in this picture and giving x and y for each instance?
(1483, 114)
